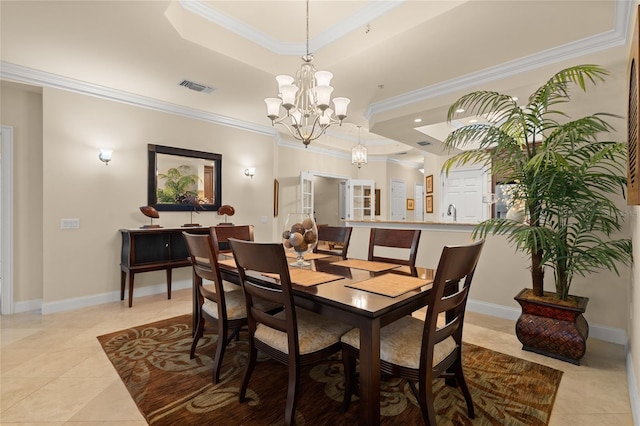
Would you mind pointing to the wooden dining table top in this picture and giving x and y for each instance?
(337, 293)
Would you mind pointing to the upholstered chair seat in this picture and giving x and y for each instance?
(401, 343)
(315, 332)
(236, 306)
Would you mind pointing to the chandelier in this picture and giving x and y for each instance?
(305, 99)
(359, 153)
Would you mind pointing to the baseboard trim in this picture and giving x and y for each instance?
(596, 331)
(27, 306)
(634, 395)
(114, 296)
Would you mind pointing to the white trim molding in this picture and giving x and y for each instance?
(6, 227)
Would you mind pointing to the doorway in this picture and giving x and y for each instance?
(462, 196)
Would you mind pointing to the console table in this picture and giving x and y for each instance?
(154, 249)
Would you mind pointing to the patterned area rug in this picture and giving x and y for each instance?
(170, 389)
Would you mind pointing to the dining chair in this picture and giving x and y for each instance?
(294, 337)
(335, 239)
(224, 309)
(421, 351)
(400, 242)
(224, 232)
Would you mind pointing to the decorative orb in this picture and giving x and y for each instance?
(300, 236)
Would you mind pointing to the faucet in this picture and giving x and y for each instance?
(451, 210)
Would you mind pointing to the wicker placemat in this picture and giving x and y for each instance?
(391, 285)
(228, 262)
(367, 265)
(307, 277)
(308, 256)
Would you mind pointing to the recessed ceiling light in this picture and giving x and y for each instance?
(459, 110)
(418, 120)
(514, 98)
(473, 120)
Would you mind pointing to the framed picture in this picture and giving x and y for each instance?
(409, 203)
(428, 204)
(276, 193)
(428, 183)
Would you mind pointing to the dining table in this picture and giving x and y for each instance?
(368, 310)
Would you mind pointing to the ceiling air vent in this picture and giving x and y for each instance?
(424, 143)
(198, 87)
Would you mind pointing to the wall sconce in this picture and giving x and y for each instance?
(105, 155)
(250, 171)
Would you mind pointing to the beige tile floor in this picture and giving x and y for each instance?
(54, 372)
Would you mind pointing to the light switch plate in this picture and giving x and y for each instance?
(69, 223)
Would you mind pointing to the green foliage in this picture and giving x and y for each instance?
(179, 185)
(565, 175)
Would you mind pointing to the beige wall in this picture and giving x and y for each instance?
(85, 262)
(326, 192)
(22, 110)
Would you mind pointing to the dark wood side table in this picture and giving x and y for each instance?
(154, 249)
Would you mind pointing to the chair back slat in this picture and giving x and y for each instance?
(395, 238)
(204, 259)
(334, 234)
(456, 269)
(266, 258)
(221, 234)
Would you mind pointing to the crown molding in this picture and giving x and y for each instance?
(367, 13)
(606, 40)
(35, 77)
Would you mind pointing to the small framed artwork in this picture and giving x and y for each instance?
(276, 193)
(428, 203)
(428, 183)
(409, 203)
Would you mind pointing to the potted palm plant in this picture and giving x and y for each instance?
(567, 178)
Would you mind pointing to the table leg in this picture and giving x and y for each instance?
(169, 283)
(370, 373)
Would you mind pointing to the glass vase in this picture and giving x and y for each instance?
(300, 236)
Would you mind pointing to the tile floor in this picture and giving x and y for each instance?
(54, 372)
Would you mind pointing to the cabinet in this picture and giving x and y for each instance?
(155, 249)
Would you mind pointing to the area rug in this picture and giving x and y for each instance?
(171, 389)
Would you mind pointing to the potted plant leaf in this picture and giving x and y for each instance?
(567, 175)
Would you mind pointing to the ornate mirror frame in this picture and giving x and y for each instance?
(206, 165)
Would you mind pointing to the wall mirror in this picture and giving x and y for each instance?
(183, 179)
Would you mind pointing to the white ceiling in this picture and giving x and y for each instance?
(396, 60)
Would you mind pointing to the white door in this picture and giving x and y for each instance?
(418, 211)
(306, 193)
(398, 200)
(362, 199)
(344, 200)
(462, 193)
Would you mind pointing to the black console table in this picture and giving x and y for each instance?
(154, 249)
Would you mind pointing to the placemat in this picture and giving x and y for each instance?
(367, 265)
(307, 277)
(228, 262)
(391, 285)
(308, 256)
